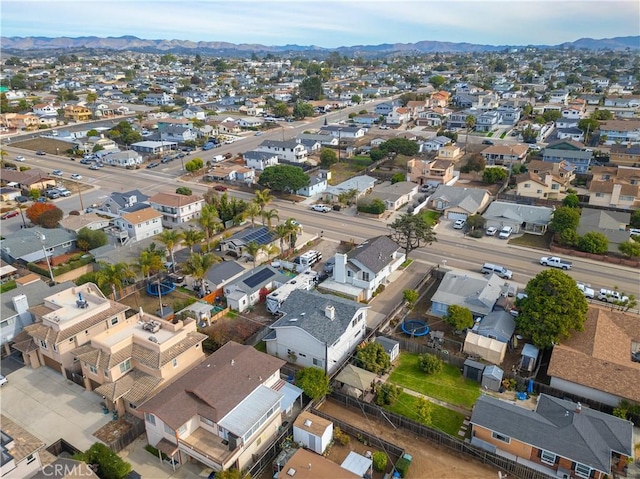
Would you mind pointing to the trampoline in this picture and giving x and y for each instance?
(165, 287)
(415, 327)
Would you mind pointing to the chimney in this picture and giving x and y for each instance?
(330, 312)
(20, 304)
(578, 408)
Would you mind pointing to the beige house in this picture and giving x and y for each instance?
(21, 451)
(77, 113)
(129, 361)
(449, 152)
(176, 209)
(20, 121)
(617, 187)
(432, 172)
(625, 155)
(505, 154)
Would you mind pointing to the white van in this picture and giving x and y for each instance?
(501, 271)
(217, 158)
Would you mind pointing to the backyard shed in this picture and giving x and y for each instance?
(358, 464)
(489, 349)
(313, 432)
(529, 357)
(356, 381)
(391, 347)
(492, 378)
(473, 370)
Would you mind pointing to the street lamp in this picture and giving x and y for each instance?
(46, 257)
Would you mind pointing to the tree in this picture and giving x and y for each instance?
(388, 394)
(192, 237)
(280, 109)
(401, 146)
(197, 265)
(328, 157)
(571, 200)
(232, 474)
(193, 165)
(109, 464)
(564, 218)
(314, 382)
(430, 363)
(357, 99)
(380, 460)
(635, 219)
(114, 276)
(588, 126)
(90, 239)
(268, 216)
(91, 133)
(437, 81)
(170, 238)
(476, 222)
(49, 218)
(475, 163)
(209, 220)
(493, 175)
(263, 198)
(553, 309)
(459, 317)
(398, 177)
(149, 262)
(373, 357)
(35, 210)
(184, 190)
(252, 211)
(469, 123)
(630, 248)
(593, 242)
(310, 88)
(302, 110)
(253, 248)
(410, 297)
(424, 409)
(602, 115)
(286, 178)
(412, 232)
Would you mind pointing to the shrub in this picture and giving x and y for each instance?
(430, 363)
(110, 465)
(402, 466)
(388, 394)
(376, 207)
(340, 436)
(476, 234)
(380, 460)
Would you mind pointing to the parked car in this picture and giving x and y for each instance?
(586, 290)
(555, 262)
(612, 296)
(505, 232)
(152, 165)
(491, 231)
(459, 224)
(258, 133)
(53, 194)
(10, 214)
(22, 199)
(487, 142)
(95, 166)
(321, 208)
(20, 158)
(57, 172)
(76, 176)
(220, 188)
(3, 380)
(41, 153)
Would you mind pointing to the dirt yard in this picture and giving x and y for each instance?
(429, 460)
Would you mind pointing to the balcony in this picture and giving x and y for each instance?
(207, 448)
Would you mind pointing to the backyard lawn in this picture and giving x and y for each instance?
(448, 386)
(442, 418)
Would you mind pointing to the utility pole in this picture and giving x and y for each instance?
(80, 196)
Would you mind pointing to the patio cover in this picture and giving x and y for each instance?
(491, 350)
(356, 377)
(357, 464)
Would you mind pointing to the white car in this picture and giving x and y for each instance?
(459, 224)
(20, 158)
(586, 290)
(321, 208)
(76, 176)
(3, 380)
(491, 231)
(57, 172)
(505, 232)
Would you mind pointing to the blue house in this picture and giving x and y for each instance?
(570, 151)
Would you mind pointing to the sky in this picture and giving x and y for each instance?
(327, 23)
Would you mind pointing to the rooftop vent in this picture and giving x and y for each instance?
(308, 423)
(153, 339)
(291, 472)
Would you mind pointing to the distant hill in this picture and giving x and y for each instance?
(131, 43)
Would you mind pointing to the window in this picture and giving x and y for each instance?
(55, 348)
(43, 344)
(582, 470)
(175, 362)
(150, 418)
(30, 458)
(548, 457)
(93, 369)
(168, 430)
(501, 437)
(8, 322)
(599, 195)
(132, 406)
(125, 366)
(114, 321)
(527, 185)
(182, 429)
(365, 276)
(317, 362)
(206, 421)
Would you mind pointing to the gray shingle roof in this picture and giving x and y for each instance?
(375, 253)
(477, 294)
(26, 241)
(469, 199)
(540, 215)
(587, 437)
(223, 271)
(307, 308)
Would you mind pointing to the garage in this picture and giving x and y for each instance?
(452, 215)
(52, 363)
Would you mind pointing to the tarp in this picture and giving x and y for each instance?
(356, 377)
(491, 350)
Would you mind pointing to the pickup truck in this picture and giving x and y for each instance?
(610, 296)
(555, 262)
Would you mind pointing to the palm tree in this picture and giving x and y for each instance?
(293, 229)
(282, 231)
(192, 237)
(251, 211)
(114, 276)
(270, 250)
(197, 265)
(209, 220)
(268, 216)
(263, 198)
(148, 262)
(253, 248)
(170, 238)
(469, 122)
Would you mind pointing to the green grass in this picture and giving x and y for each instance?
(533, 241)
(8, 286)
(442, 418)
(504, 133)
(448, 386)
(261, 346)
(430, 217)
(490, 134)
(406, 263)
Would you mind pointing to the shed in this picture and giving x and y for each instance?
(391, 347)
(492, 378)
(312, 431)
(473, 370)
(487, 348)
(358, 464)
(356, 378)
(529, 357)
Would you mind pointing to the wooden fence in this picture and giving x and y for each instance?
(122, 441)
(267, 458)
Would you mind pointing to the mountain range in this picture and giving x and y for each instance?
(131, 43)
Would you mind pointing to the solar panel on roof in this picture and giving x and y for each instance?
(259, 277)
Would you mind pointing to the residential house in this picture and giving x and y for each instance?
(28, 180)
(617, 187)
(470, 290)
(622, 101)
(223, 413)
(231, 173)
(125, 159)
(288, 150)
(602, 362)
(248, 122)
(20, 451)
(385, 108)
(66, 320)
(194, 112)
(44, 109)
(29, 245)
(509, 115)
(522, 218)
(245, 291)
(394, 195)
(545, 180)
(620, 131)
(612, 224)
(625, 155)
(488, 121)
(222, 273)
(140, 224)
(458, 202)
(178, 134)
(573, 112)
(440, 98)
(120, 203)
(9, 193)
(363, 184)
(559, 96)
(259, 160)
(77, 113)
(308, 465)
(91, 221)
(343, 132)
(176, 209)
(236, 243)
(431, 173)
(19, 121)
(229, 127)
(434, 117)
(126, 363)
(318, 183)
(319, 330)
(570, 151)
(325, 139)
(95, 143)
(498, 325)
(434, 144)
(154, 147)
(575, 134)
(398, 116)
(458, 119)
(158, 99)
(559, 437)
(366, 119)
(505, 154)
(449, 152)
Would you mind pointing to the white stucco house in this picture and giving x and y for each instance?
(259, 160)
(140, 224)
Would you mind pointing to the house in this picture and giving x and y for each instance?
(194, 112)
(154, 147)
(489, 349)
(125, 159)
(559, 96)
(259, 160)
(178, 134)
(231, 173)
(540, 185)
(176, 209)
(120, 203)
(564, 171)
(343, 132)
(498, 325)
(366, 119)
(394, 195)
(20, 451)
(505, 154)
(602, 362)
(391, 346)
(569, 151)
(237, 242)
(140, 224)
(361, 271)
(308, 465)
(620, 131)
(625, 155)
(459, 203)
(223, 413)
(509, 115)
(434, 117)
(615, 187)
(318, 183)
(158, 99)
(325, 139)
(559, 436)
(77, 113)
(221, 274)
(66, 320)
(575, 134)
(288, 150)
(398, 116)
(28, 180)
(522, 218)
(384, 108)
(29, 245)
(138, 355)
(20, 121)
(613, 224)
(243, 292)
(319, 330)
(488, 121)
(363, 184)
(434, 144)
(313, 432)
(477, 293)
(91, 221)
(431, 173)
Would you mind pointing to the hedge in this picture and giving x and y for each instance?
(65, 268)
